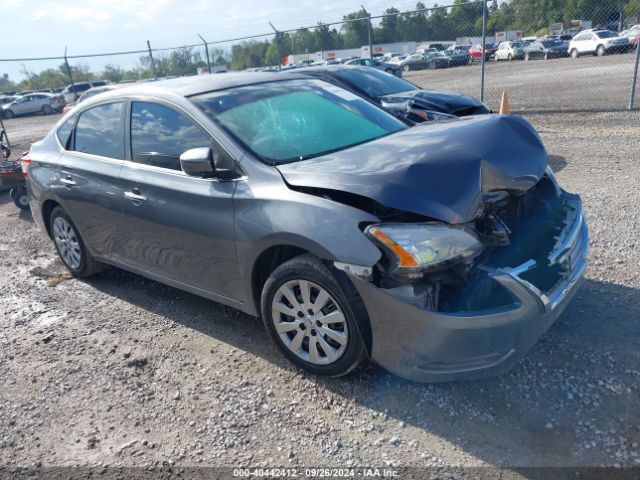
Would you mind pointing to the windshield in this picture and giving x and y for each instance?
(371, 82)
(286, 121)
(517, 45)
(551, 43)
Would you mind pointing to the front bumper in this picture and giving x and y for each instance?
(431, 346)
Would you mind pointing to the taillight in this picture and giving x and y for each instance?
(25, 161)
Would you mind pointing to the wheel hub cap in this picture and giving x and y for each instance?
(67, 243)
(309, 322)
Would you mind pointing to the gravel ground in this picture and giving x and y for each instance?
(586, 83)
(118, 370)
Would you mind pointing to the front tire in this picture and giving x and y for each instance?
(600, 51)
(510, 57)
(70, 246)
(311, 319)
(9, 114)
(574, 53)
(47, 110)
(406, 68)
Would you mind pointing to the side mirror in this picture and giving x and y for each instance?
(198, 162)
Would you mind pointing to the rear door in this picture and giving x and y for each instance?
(88, 182)
(178, 227)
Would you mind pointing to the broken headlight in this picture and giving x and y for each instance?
(416, 248)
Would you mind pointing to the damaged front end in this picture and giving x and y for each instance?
(468, 301)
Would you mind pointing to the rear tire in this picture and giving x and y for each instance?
(20, 198)
(406, 68)
(526, 57)
(601, 51)
(70, 246)
(575, 53)
(9, 114)
(297, 300)
(510, 57)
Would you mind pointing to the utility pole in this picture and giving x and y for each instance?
(73, 86)
(206, 49)
(153, 63)
(277, 44)
(484, 42)
(370, 32)
(634, 83)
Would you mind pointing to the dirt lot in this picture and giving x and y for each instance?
(586, 83)
(122, 371)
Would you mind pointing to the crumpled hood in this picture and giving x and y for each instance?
(440, 170)
(445, 102)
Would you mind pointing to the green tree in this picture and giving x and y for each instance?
(356, 32)
(113, 73)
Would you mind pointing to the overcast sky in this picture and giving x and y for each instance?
(36, 28)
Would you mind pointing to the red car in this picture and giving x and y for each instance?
(476, 51)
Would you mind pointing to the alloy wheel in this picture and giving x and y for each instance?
(309, 322)
(67, 243)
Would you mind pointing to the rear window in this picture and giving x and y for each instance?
(293, 120)
(100, 131)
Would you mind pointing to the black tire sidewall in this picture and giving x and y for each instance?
(18, 196)
(307, 267)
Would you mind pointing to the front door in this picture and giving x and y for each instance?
(178, 227)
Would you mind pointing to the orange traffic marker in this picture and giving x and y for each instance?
(504, 104)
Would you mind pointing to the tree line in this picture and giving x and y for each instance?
(463, 19)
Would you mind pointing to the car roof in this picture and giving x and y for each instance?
(189, 86)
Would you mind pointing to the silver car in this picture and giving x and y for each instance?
(45, 103)
(441, 251)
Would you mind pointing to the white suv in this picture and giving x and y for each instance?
(72, 92)
(598, 42)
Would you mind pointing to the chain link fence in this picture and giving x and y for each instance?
(548, 56)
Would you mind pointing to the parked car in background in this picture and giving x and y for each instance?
(462, 48)
(598, 42)
(545, 48)
(397, 96)
(437, 59)
(4, 99)
(392, 68)
(90, 93)
(72, 92)
(458, 57)
(45, 103)
(509, 51)
(633, 34)
(416, 61)
(476, 51)
(351, 235)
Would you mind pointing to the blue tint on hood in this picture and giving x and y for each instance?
(439, 170)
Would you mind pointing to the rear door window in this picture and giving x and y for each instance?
(100, 131)
(64, 132)
(159, 135)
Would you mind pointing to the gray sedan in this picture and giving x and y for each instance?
(416, 61)
(353, 236)
(545, 49)
(33, 103)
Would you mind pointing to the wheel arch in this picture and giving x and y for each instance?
(47, 208)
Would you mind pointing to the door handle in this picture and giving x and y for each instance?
(135, 196)
(67, 181)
